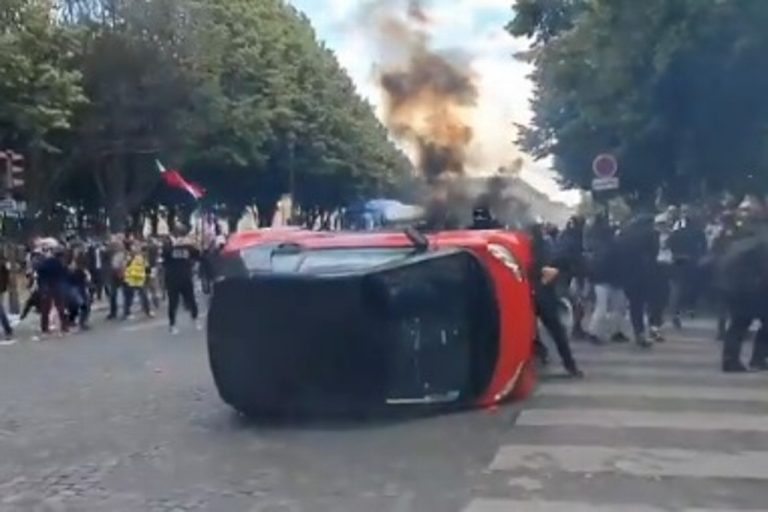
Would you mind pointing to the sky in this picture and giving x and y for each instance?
(472, 26)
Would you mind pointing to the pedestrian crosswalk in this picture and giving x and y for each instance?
(644, 432)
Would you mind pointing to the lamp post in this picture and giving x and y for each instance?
(291, 139)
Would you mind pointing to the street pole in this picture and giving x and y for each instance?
(291, 175)
(14, 306)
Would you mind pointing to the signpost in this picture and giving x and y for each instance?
(11, 182)
(605, 166)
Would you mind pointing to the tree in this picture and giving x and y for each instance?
(673, 87)
(239, 94)
(39, 90)
(282, 115)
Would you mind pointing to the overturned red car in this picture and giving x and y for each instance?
(318, 322)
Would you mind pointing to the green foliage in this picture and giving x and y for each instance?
(674, 87)
(38, 86)
(239, 94)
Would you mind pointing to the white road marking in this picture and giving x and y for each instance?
(633, 461)
(8, 343)
(611, 370)
(608, 370)
(639, 358)
(612, 418)
(602, 389)
(500, 505)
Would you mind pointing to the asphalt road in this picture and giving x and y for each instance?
(126, 418)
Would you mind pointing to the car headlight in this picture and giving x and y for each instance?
(508, 259)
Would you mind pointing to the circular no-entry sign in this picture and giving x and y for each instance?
(605, 166)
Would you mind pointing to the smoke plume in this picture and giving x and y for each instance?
(441, 110)
(428, 95)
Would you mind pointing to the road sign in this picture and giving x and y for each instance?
(605, 184)
(7, 205)
(605, 166)
(11, 206)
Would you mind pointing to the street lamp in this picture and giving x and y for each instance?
(291, 139)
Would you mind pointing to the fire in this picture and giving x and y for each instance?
(442, 112)
(429, 96)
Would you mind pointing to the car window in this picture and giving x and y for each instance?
(270, 258)
(349, 259)
(258, 258)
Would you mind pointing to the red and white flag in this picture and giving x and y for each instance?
(174, 179)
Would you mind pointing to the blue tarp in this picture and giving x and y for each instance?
(378, 212)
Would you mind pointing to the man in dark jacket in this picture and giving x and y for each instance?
(608, 321)
(637, 252)
(688, 243)
(483, 219)
(179, 258)
(547, 265)
(571, 243)
(741, 276)
(52, 279)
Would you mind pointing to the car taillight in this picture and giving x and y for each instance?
(508, 259)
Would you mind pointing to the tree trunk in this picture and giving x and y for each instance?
(171, 219)
(38, 205)
(232, 222)
(267, 209)
(118, 216)
(154, 221)
(137, 223)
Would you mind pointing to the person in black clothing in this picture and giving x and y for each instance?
(728, 232)
(637, 251)
(483, 219)
(78, 280)
(603, 269)
(741, 277)
(547, 265)
(179, 257)
(571, 244)
(96, 259)
(51, 280)
(688, 243)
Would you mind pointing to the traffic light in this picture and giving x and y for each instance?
(13, 172)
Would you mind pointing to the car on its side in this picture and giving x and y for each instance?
(307, 322)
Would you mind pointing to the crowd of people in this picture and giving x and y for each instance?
(68, 277)
(624, 280)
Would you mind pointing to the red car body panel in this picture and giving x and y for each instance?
(513, 375)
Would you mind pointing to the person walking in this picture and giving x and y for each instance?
(51, 281)
(547, 266)
(96, 267)
(135, 279)
(638, 249)
(659, 284)
(179, 258)
(688, 244)
(154, 261)
(741, 276)
(115, 273)
(609, 320)
(79, 282)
